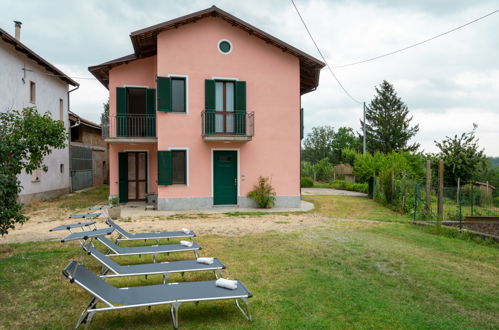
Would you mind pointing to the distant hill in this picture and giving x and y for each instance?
(494, 161)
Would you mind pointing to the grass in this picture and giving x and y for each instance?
(353, 207)
(348, 275)
(74, 201)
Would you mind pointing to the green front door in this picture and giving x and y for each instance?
(225, 177)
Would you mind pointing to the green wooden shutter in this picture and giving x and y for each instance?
(240, 107)
(301, 124)
(164, 168)
(123, 176)
(164, 85)
(151, 112)
(121, 105)
(209, 106)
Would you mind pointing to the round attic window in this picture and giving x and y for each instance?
(224, 46)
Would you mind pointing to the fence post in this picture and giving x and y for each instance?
(416, 197)
(440, 193)
(403, 192)
(428, 189)
(472, 197)
(458, 199)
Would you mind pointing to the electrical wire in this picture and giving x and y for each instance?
(60, 75)
(323, 58)
(417, 43)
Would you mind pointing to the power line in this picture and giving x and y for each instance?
(417, 43)
(60, 75)
(322, 56)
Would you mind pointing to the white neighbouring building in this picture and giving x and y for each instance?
(28, 80)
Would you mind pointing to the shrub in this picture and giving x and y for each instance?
(306, 182)
(324, 170)
(347, 185)
(263, 193)
(114, 201)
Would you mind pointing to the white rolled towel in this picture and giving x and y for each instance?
(186, 231)
(186, 243)
(225, 283)
(205, 260)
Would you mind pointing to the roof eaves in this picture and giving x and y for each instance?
(19, 46)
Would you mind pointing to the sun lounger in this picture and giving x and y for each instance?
(85, 215)
(116, 250)
(173, 294)
(74, 225)
(85, 235)
(124, 235)
(163, 268)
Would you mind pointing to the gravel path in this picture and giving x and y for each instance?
(37, 228)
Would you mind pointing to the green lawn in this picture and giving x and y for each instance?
(78, 200)
(348, 275)
(349, 207)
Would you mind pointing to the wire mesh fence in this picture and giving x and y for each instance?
(409, 196)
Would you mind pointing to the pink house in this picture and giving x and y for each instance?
(205, 105)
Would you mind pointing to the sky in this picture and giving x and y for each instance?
(448, 83)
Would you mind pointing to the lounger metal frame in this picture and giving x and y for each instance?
(115, 253)
(88, 313)
(106, 267)
(123, 235)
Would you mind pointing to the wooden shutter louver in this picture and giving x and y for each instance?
(164, 168)
(240, 107)
(164, 88)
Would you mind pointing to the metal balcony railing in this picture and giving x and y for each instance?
(131, 125)
(222, 123)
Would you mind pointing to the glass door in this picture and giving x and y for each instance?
(137, 176)
(224, 107)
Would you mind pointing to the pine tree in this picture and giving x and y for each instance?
(388, 124)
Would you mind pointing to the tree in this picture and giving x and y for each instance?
(325, 142)
(104, 118)
(26, 137)
(462, 156)
(344, 138)
(388, 124)
(317, 145)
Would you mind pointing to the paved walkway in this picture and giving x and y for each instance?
(331, 192)
(135, 209)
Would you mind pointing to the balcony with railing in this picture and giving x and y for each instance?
(133, 127)
(227, 125)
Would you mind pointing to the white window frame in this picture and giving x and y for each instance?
(186, 166)
(61, 109)
(186, 77)
(230, 43)
(32, 92)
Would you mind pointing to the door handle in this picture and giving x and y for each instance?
(235, 181)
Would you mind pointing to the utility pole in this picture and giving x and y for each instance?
(364, 127)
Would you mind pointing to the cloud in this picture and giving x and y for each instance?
(447, 83)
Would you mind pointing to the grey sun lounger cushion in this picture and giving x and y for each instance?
(149, 269)
(159, 235)
(73, 225)
(84, 235)
(84, 215)
(171, 293)
(151, 249)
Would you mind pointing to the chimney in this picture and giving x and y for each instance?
(18, 30)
